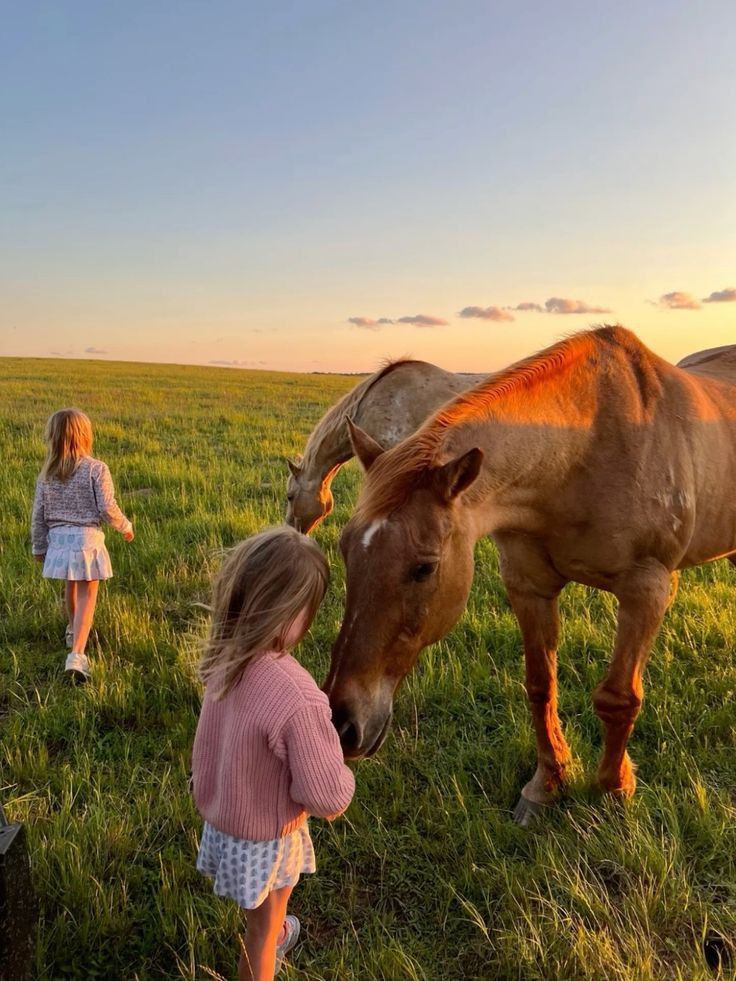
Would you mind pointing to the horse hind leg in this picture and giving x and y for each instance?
(539, 624)
(617, 699)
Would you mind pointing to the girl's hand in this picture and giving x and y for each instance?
(39, 558)
(129, 535)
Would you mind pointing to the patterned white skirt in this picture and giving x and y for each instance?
(247, 871)
(77, 553)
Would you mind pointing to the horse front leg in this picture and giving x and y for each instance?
(617, 699)
(538, 619)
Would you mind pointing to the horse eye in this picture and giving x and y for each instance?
(290, 496)
(423, 571)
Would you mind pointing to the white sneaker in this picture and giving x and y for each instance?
(291, 935)
(78, 666)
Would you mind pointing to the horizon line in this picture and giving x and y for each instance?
(183, 364)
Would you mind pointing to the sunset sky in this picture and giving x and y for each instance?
(262, 183)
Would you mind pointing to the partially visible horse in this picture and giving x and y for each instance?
(389, 405)
(595, 461)
(716, 362)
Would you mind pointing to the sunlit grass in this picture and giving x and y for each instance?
(426, 877)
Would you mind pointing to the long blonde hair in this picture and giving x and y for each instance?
(69, 437)
(263, 586)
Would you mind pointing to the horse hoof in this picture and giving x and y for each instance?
(527, 812)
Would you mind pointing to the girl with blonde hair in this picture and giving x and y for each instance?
(265, 753)
(74, 495)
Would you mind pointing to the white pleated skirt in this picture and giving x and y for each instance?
(77, 553)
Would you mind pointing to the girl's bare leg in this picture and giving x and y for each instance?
(70, 596)
(258, 960)
(84, 613)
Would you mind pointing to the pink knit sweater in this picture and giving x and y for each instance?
(267, 755)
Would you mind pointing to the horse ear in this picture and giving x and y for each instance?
(294, 467)
(456, 476)
(364, 446)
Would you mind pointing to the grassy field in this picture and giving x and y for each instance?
(426, 877)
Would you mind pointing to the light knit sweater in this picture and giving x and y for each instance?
(267, 755)
(85, 499)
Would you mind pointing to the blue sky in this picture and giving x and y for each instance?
(200, 182)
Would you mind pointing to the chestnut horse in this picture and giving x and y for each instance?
(389, 406)
(595, 462)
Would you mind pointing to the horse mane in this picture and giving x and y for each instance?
(398, 472)
(333, 421)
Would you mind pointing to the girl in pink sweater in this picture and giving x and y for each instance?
(265, 754)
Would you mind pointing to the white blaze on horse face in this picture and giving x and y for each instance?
(371, 531)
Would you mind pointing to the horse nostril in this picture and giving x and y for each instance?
(348, 736)
(349, 732)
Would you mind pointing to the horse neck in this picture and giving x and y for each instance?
(530, 443)
(327, 449)
(328, 446)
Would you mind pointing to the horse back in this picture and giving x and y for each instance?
(653, 472)
(715, 362)
(400, 401)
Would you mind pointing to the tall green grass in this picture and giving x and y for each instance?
(426, 877)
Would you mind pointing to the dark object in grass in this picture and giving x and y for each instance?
(18, 910)
(716, 951)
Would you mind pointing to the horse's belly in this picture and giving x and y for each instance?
(707, 548)
(714, 534)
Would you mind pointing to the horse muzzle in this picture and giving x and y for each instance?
(362, 729)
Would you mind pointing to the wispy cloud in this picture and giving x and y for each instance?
(418, 320)
(234, 363)
(487, 313)
(63, 354)
(554, 305)
(564, 305)
(423, 320)
(527, 307)
(94, 350)
(721, 296)
(369, 323)
(677, 301)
